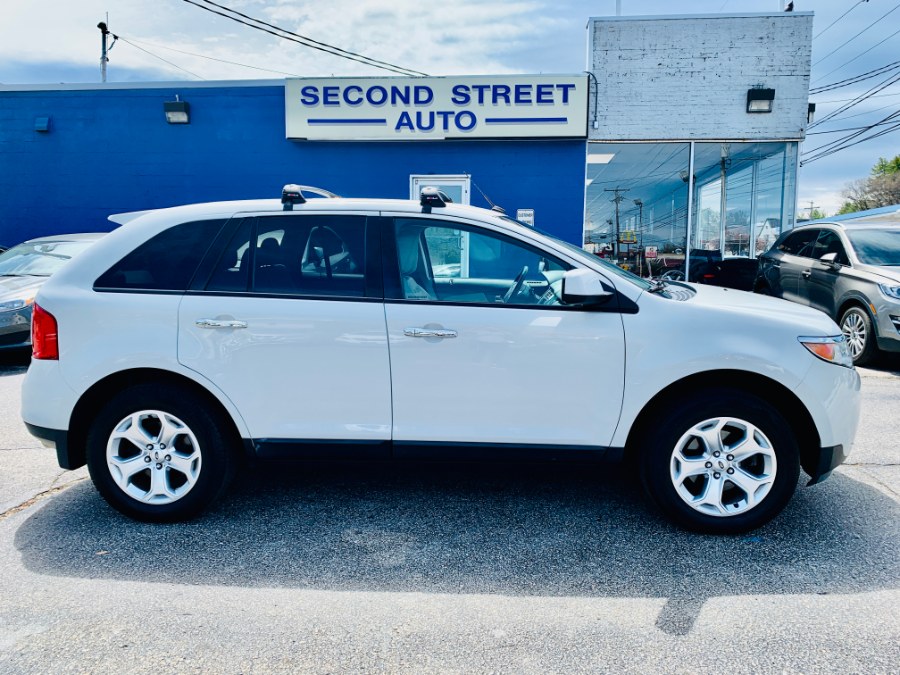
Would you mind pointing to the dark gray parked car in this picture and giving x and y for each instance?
(850, 271)
(24, 269)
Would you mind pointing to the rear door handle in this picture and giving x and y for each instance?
(430, 332)
(806, 274)
(220, 323)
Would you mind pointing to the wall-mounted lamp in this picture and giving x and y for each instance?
(810, 113)
(760, 100)
(42, 124)
(177, 112)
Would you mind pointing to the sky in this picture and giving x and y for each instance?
(55, 41)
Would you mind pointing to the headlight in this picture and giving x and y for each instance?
(892, 292)
(10, 305)
(831, 349)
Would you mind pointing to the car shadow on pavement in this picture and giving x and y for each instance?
(542, 530)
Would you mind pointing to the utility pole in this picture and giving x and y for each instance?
(812, 207)
(616, 200)
(640, 204)
(104, 54)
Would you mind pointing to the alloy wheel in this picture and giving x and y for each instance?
(723, 466)
(854, 329)
(153, 457)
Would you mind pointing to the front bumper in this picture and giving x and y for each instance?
(820, 465)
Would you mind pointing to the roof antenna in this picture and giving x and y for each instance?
(494, 207)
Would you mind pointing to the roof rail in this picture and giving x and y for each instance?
(293, 194)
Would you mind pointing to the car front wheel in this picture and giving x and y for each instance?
(723, 462)
(158, 453)
(857, 329)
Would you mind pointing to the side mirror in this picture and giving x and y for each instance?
(830, 259)
(584, 287)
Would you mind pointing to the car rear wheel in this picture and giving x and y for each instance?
(158, 453)
(857, 329)
(723, 462)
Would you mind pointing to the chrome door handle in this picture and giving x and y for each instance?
(430, 332)
(806, 274)
(220, 323)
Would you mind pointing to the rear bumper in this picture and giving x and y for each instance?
(820, 465)
(59, 439)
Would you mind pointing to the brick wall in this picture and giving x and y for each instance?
(687, 77)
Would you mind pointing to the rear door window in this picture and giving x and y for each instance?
(308, 255)
(800, 243)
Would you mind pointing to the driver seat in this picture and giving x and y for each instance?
(414, 278)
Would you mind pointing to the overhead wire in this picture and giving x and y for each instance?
(301, 39)
(844, 44)
(859, 99)
(868, 75)
(156, 56)
(212, 58)
(851, 140)
(839, 18)
(861, 54)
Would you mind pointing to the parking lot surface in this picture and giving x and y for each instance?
(419, 567)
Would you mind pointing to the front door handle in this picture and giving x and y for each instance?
(220, 323)
(806, 274)
(430, 332)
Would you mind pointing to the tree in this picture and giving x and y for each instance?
(816, 214)
(881, 188)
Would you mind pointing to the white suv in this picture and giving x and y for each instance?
(382, 328)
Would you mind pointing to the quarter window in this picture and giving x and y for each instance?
(165, 262)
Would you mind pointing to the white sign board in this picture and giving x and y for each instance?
(650, 252)
(436, 108)
(525, 216)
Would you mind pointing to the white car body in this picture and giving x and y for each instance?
(514, 378)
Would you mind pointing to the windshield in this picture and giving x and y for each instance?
(39, 258)
(584, 255)
(876, 246)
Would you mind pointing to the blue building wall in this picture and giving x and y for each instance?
(111, 150)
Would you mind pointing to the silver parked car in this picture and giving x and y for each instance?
(24, 269)
(850, 271)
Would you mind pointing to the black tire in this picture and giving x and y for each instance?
(856, 325)
(213, 454)
(670, 429)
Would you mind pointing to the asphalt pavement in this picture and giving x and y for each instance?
(447, 568)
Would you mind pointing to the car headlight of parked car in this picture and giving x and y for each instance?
(832, 349)
(11, 305)
(892, 292)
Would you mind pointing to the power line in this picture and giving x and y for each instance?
(861, 54)
(212, 58)
(859, 99)
(147, 51)
(889, 130)
(852, 139)
(835, 131)
(868, 75)
(844, 44)
(839, 18)
(844, 100)
(301, 39)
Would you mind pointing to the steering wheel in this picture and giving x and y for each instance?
(516, 285)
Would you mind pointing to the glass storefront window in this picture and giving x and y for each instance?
(637, 199)
(638, 196)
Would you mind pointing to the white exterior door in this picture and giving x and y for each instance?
(471, 363)
(285, 331)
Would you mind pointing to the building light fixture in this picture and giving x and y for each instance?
(760, 100)
(177, 111)
(810, 113)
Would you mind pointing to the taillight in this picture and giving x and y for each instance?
(44, 334)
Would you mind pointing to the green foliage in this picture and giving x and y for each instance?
(848, 207)
(885, 167)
